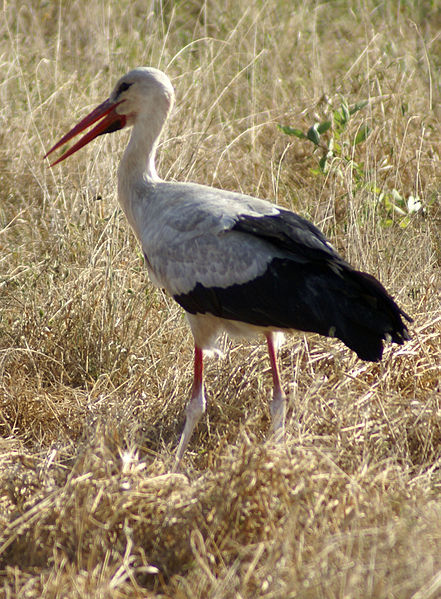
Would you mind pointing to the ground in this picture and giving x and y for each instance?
(330, 109)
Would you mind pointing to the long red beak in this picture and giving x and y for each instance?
(111, 121)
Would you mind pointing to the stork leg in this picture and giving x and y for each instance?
(195, 407)
(278, 403)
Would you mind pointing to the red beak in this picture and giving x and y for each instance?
(111, 121)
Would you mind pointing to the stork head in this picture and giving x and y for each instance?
(143, 92)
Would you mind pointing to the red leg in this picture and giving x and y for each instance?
(274, 366)
(198, 371)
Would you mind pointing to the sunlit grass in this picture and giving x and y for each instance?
(96, 363)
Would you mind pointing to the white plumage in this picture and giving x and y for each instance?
(235, 263)
(188, 241)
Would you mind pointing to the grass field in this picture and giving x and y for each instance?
(96, 364)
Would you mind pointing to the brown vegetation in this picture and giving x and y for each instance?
(96, 363)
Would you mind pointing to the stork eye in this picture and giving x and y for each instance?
(123, 87)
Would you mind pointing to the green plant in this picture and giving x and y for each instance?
(398, 208)
(338, 145)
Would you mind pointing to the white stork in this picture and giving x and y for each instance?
(233, 262)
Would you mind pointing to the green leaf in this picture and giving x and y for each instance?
(398, 198)
(324, 126)
(387, 203)
(313, 134)
(323, 164)
(291, 131)
(345, 112)
(338, 117)
(405, 222)
(358, 106)
(362, 134)
(337, 149)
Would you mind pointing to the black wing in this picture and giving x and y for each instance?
(311, 288)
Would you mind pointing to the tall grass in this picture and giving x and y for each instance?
(96, 363)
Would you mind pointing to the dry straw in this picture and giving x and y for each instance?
(96, 364)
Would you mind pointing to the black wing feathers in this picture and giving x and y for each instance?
(311, 289)
(289, 232)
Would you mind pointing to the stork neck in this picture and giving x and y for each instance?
(137, 168)
(138, 161)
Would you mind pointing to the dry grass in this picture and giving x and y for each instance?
(96, 364)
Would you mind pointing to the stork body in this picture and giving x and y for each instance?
(233, 262)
